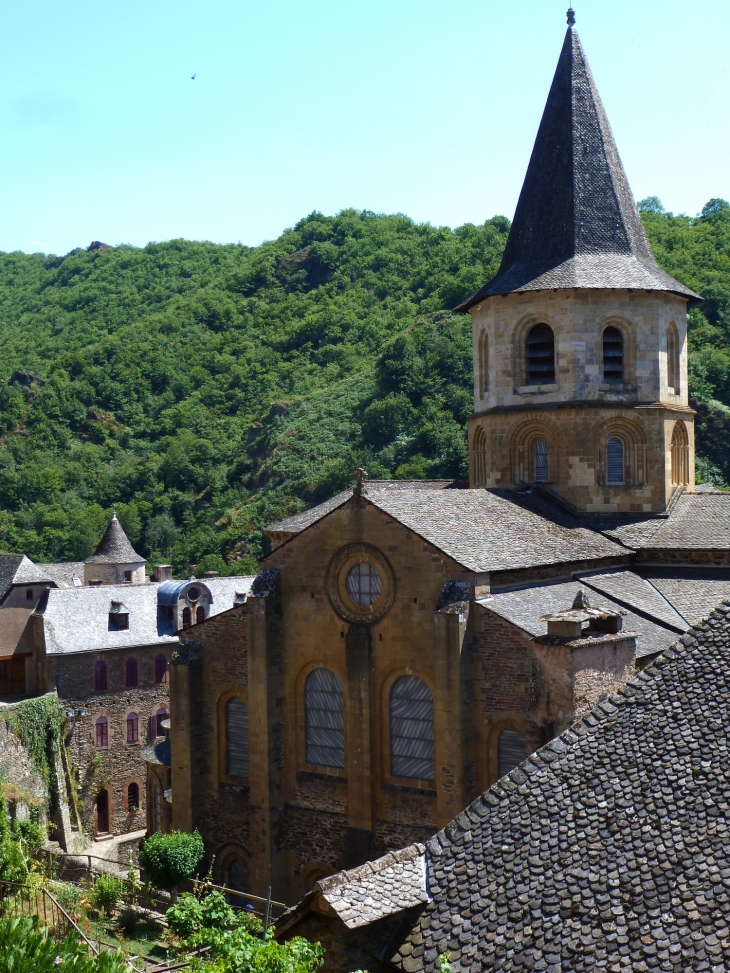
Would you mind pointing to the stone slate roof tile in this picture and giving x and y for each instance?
(19, 569)
(524, 606)
(114, 547)
(694, 591)
(697, 521)
(616, 854)
(628, 588)
(576, 223)
(379, 888)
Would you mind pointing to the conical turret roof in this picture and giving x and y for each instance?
(576, 223)
(114, 547)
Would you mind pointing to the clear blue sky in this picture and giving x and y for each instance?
(426, 108)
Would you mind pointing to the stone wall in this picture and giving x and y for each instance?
(23, 784)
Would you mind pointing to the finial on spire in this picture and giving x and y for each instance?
(361, 476)
(571, 17)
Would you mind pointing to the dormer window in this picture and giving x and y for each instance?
(193, 594)
(118, 617)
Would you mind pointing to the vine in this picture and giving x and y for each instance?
(37, 723)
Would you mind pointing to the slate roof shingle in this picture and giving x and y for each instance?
(576, 223)
(697, 521)
(694, 591)
(114, 547)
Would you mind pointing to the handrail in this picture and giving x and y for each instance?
(45, 894)
(243, 895)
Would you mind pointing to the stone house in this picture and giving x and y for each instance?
(389, 663)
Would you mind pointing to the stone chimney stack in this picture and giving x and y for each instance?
(162, 572)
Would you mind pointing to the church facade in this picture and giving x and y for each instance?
(394, 656)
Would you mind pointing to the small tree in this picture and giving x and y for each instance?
(169, 859)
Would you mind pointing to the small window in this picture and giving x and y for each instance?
(118, 621)
(127, 577)
(680, 454)
(29, 594)
(541, 460)
(193, 594)
(199, 614)
(102, 732)
(160, 669)
(673, 365)
(614, 460)
(363, 584)
(479, 446)
(100, 676)
(510, 750)
(613, 355)
(133, 797)
(540, 355)
(483, 364)
(159, 717)
(236, 738)
(132, 728)
(325, 719)
(130, 671)
(411, 729)
(186, 617)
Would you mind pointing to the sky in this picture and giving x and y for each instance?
(425, 108)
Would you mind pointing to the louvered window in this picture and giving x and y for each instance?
(511, 750)
(540, 355)
(236, 738)
(363, 584)
(541, 457)
(411, 729)
(613, 355)
(614, 460)
(325, 719)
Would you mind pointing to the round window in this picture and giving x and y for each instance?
(193, 594)
(363, 584)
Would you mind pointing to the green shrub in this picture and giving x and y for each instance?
(107, 893)
(185, 916)
(67, 895)
(25, 947)
(14, 863)
(169, 859)
(191, 915)
(235, 951)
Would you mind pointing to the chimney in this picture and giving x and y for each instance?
(162, 572)
(211, 574)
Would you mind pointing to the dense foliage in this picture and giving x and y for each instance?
(19, 841)
(26, 947)
(168, 859)
(206, 390)
(238, 951)
(192, 914)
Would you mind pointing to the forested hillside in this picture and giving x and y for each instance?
(206, 390)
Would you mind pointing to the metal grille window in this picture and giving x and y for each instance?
(613, 355)
(102, 732)
(411, 729)
(540, 355)
(614, 460)
(131, 672)
(363, 584)
(132, 728)
(510, 750)
(133, 797)
(236, 738)
(100, 676)
(325, 719)
(541, 457)
(159, 716)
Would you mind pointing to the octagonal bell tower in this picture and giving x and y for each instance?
(580, 351)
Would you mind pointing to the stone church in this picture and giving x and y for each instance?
(406, 644)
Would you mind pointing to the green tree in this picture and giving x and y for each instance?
(169, 859)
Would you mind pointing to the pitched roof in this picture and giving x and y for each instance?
(694, 591)
(525, 606)
(697, 521)
(628, 588)
(606, 849)
(576, 223)
(114, 547)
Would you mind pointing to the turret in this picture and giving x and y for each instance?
(115, 561)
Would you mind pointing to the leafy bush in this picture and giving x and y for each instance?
(25, 947)
(107, 893)
(14, 862)
(191, 915)
(169, 859)
(67, 895)
(236, 951)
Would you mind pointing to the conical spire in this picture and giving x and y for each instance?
(576, 223)
(114, 547)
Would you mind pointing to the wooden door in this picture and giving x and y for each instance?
(102, 812)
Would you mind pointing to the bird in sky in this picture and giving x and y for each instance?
(192, 76)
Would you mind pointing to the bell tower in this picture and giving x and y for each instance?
(580, 341)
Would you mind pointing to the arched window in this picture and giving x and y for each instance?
(673, 379)
(131, 672)
(237, 876)
(132, 728)
(160, 669)
(186, 617)
(483, 363)
(540, 355)
(102, 732)
(510, 750)
(363, 584)
(100, 676)
(479, 447)
(236, 738)
(199, 614)
(159, 716)
(680, 454)
(411, 729)
(613, 355)
(325, 719)
(541, 461)
(133, 797)
(615, 460)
